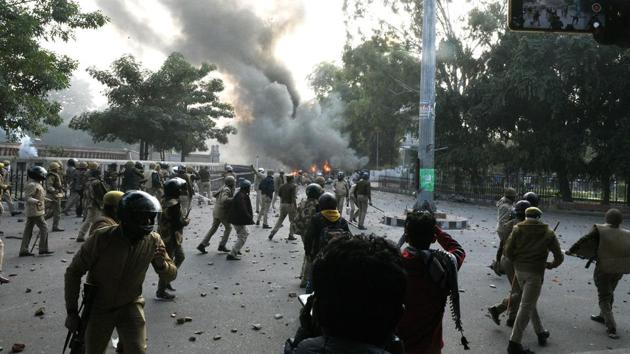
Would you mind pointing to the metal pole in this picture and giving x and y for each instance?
(427, 108)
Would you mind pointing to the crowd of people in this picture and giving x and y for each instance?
(403, 291)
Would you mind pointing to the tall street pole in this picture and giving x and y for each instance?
(426, 147)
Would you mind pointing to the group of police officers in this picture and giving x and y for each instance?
(119, 241)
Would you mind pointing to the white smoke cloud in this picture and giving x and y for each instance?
(27, 150)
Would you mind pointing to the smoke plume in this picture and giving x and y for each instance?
(26, 150)
(271, 121)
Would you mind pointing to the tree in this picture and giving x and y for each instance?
(173, 108)
(27, 71)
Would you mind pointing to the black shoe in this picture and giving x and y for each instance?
(291, 238)
(510, 322)
(362, 228)
(257, 223)
(164, 295)
(271, 235)
(239, 253)
(230, 257)
(612, 333)
(496, 268)
(223, 249)
(202, 249)
(598, 318)
(14, 213)
(4, 280)
(58, 229)
(494, 315)
(517, 348)
(169, 287)
(542, 338)
(26, 254)
(80, 239)
(265, 226)
(46, 253)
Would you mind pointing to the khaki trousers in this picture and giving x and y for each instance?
(53, 210)
(184, 201)
(1, 254)
(340, 203)
(92, 214)
(363, 202)
(73, 200)
(215, 226)
(6, 196)
(285, 209)
(176, 252)
(130, 324)
(241, 234)
(264, 210)
(514, 297)
(31, 221)
(606, 284)
(531, 284)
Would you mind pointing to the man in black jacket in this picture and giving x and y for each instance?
(240, 216)
(335, 321)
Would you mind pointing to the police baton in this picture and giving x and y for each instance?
(377, 208)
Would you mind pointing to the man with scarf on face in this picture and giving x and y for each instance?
(504, 215)
(116, 260)
(431, 279)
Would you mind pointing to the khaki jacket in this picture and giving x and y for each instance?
(529, 245)
(54, 186)
(504, 214)
(116, 267)
(101, 222)
(35, 193)
(613, 253)
(341, 188)
(224, 197)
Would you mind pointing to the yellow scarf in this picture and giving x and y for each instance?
(331, 215)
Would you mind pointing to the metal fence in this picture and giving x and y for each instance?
(492, 188)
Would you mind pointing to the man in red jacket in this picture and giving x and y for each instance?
(431, 278)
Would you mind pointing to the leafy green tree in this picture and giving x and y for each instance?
(28, 72)
(173, 108)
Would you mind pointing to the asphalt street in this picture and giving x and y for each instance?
(225, 299)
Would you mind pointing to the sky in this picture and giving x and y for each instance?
(319, 37)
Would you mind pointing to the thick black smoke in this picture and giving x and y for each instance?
(271, 121)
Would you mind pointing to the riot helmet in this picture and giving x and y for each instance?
(139, 165)
(82, 165)
(340, 175)
(314, 191)
(54, 167)
(532, 198)
(328, 201)
(519, 208)
(37, 173)
(230, 181)
(228, 168)
(72, 162)
(174, 187)
(137, 211)
(245, 186)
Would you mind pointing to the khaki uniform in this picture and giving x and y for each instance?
(54, 189)
(307, 209)
(76, 191)
(363, 194)
(224, 196)
(277, 183)
(117, 268)
(6, 192)
(528, 247)
(258, 177)
(102, 222)
(4, 187)
(171, 229)
(341, 190)
(92, 205)
(288, 195)
(610, 246)
(35, 211)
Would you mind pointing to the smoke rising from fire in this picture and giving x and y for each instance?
(241, 44)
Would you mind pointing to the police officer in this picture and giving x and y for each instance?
(240, 216)
(35, 211)
(277, 183)
(221, 208)
(609, 244)
(504, 227)
(111, 177)
(308, 208)
(92, 200)
(116, 260)
(171, 228)
(55, 192)
(363, 196)
(77, 184)
(205, 188)
(288, 196)
(5, 173)
(71, 165)
(266, 190)
(132, 176)
(259, 175)
(109, 216)
(341, 189)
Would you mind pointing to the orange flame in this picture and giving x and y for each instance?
(326, 167)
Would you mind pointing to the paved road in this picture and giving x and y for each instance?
(258, 287)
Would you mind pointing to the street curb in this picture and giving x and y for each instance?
(608, 351)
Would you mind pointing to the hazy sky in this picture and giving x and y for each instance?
(319, 37)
